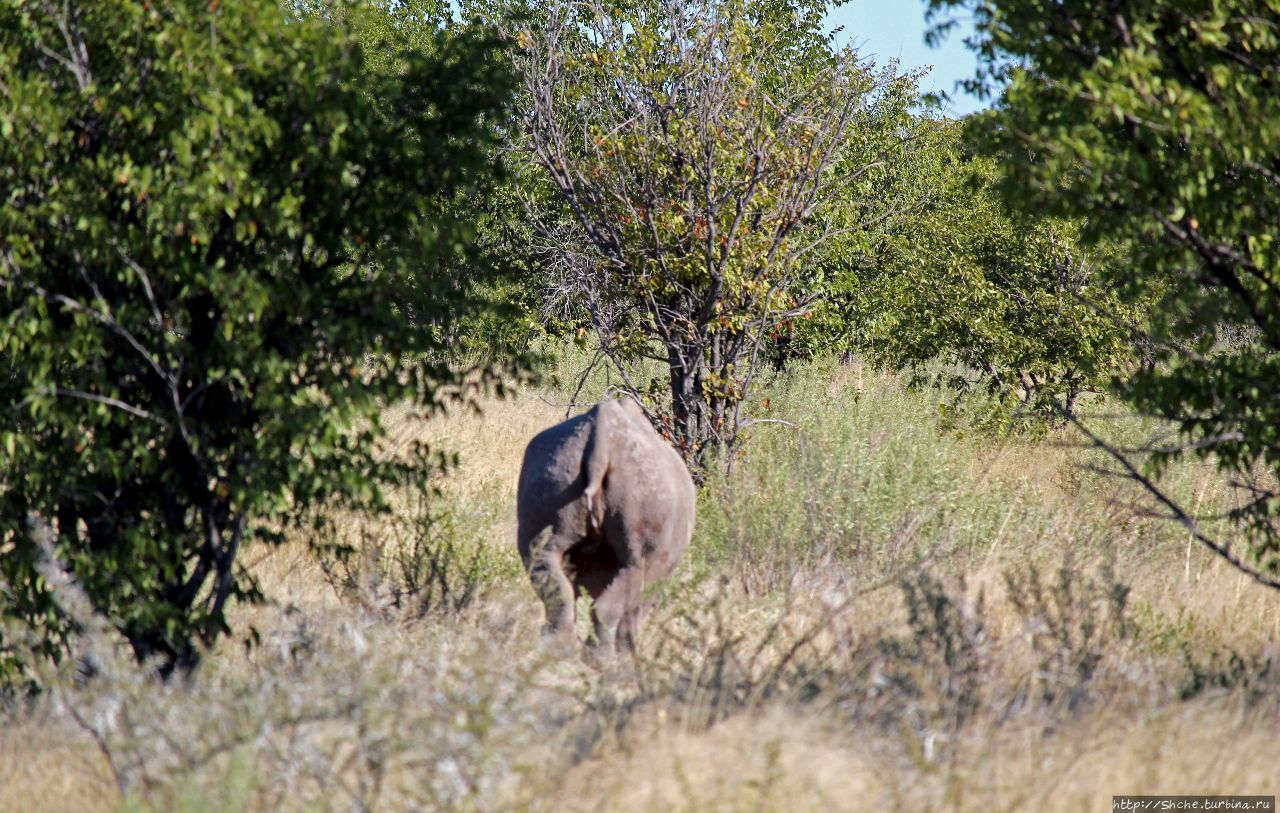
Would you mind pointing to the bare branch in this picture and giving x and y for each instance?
(1186, 520)
(112, 402)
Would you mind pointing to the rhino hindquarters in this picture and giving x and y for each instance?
(605, 506)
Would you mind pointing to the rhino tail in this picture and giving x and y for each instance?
(595, 461)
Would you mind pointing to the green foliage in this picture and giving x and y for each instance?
(973, 297)
(889, 165)
(1157, 125)
(498, 233)
(707, 150)
(220, 224)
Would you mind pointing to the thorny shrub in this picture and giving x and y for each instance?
(405, 565)
(1255, 675)
(926, 678)
(337, 709)
(331, 713)
(1072, 624)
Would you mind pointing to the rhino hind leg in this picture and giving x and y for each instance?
(630, 623)
(594, 568)
(616, 611)
(551, 583)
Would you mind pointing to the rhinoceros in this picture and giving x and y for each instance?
(607, 506)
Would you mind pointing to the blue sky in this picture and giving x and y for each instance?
(888, 29)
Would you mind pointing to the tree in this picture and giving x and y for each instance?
(1157, 125)
(976, 299)
(216, 221)
(489, 207)
(706, 150)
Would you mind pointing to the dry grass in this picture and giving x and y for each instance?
(783, 760)
(856, 627)
(46, 766)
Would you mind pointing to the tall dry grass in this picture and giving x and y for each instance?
(874, 613)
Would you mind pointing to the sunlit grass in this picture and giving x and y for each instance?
(782, 670)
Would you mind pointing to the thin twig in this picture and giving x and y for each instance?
(122, 784)
(112, 402)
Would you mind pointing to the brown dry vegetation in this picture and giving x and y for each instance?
(874, 614)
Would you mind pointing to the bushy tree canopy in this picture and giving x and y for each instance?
(215, 221)
(1157, 125)
(706, 150)
(982, 300)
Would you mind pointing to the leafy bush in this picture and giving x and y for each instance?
(1157, 126)
(707, 150)
(220, 224)
(1008, 306)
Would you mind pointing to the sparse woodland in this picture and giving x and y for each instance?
(984, 413)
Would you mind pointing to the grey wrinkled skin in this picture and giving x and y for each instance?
(605, 505)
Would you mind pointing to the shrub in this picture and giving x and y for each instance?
(219, 226)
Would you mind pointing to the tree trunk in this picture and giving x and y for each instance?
(688, 427)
